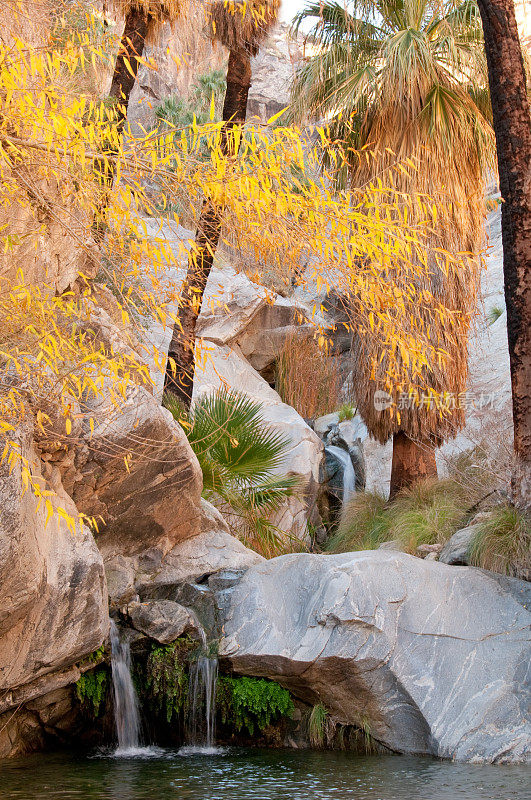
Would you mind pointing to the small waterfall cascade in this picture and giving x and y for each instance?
(126, 713)
(349, 475)
(202, 703)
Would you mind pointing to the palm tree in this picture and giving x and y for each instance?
(512, 124)
(241, 26)
(402, 85)
(142, 17)
(239, 457)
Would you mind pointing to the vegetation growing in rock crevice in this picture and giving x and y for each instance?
(91, 690)
(252, 704)
(164, 683)
(325, 732)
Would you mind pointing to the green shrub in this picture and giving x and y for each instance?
(347, 411)
(251, 703)
(428, 513)
(364, 525)
(502, 542)
(238, 454)
(166, 678)
(91, 689)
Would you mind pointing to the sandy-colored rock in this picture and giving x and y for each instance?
(238, 312)
(432, 659)
(212, 551)
(153, 500)
(53, 594)
(146, 574)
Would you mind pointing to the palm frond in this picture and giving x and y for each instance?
(402, 87)
(240, 457)
(229, 429)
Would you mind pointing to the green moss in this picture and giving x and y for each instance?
(251, 703)
(91, 689)
(97, 655)
(166, 678)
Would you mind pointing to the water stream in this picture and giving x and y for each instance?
(349, 475)
(201, 706)
(126, 713)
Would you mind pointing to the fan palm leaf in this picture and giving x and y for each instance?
(240, 457)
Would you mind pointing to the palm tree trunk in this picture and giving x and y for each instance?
(131, 47)
(512, 126)
(412, 463)
(123, 80)
(180, 367)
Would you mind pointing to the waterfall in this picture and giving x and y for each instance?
(349, 475)
(126, 715)
(202, 703)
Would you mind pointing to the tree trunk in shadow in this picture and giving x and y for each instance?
(180, 367)
(512, 126)
(123, 80)
(412, 463)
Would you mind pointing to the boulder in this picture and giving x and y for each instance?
(225, 366)
(457, 548)
(214, 549)
(163, 620)
(237, 311)
(53, 594)
(152, 574)
(138, 473)
(430, 659)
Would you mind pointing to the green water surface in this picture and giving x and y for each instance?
(241, 774)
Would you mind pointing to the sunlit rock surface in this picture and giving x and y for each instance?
(53, 600)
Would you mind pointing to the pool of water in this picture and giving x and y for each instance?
(241, 774)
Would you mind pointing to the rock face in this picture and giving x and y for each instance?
(153, 500)
(162, 620)
(213, 550)
(152, 574)
(273, 71)
(433, 659)
(237, 311)
(53, 595)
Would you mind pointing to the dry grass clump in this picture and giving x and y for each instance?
(307, 376)
(364, 525)
(427, 513)
(502, 542)
(242, 24)
(154, 9)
